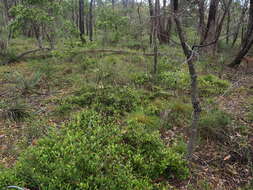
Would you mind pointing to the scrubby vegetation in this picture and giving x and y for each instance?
(89, 154)
(127, 104)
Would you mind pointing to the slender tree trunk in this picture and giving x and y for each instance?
(194, 84)
(240, 22)
(81, 20)
(155, 34)
(201, 26)
(228, 27)
(247, 40)
(220, 24)
(113, 4)
(210, 31)
(151, 15)
(91, 20)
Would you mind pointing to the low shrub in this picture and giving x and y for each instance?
(214, 125)
(175, 80)
(107, 101)
(179, 113)
(212, 85)
(141, 79)
(88, 154)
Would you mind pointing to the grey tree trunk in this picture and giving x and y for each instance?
(201, 26)
(247, 40)
(194, 84)
(210, 30)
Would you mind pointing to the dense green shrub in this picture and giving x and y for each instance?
(174, 80)
(88, 154)
(208, 84)
(141, 78)
(108, 101)
(212, 85)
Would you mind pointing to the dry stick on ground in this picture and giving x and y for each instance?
(24, 54)
(92, 51)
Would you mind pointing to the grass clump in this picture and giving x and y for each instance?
(88, 154)
(179, 113)
(24, 84)
(16, 111)
(214, 125)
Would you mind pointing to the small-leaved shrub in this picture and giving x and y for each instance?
(88, 154)
(174, 80)
(212, 85)
(107, 101)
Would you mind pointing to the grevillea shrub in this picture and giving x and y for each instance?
(88, 154)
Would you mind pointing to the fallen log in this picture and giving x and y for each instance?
(24, 54)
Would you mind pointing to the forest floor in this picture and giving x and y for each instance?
(39, 88)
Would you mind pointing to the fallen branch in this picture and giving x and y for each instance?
(24, 54)
(120, 52)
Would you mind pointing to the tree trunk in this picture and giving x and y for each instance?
(81, 20)
(228, 27)
(155, 34)
(164, 27)
(220, 24)
(151, 15)
(194, 84)
(201, 26)
(247, 40)
(91, 20)
(240, 22)
(210, 32)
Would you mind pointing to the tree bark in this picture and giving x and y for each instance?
(210, 31)
(81, 20)
(240, 22)
(164, 25)
(151, 15)
(247, 40)
(155, 34)
(228, 27)
(201, 26)
(194, 84)
(91, 20)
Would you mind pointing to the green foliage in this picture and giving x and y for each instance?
(141, 79)
(249, 115)
(212, 85)
(8, 178)
(112, 20)
(179, 112)
(214, 125)
(180, 146)
(108, 101)
(174, 80)
(141, 118)
(46, 70)
(64, 109)
(88, 154)
(24, 84)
